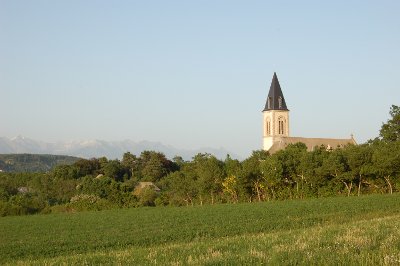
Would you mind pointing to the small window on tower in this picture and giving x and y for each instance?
(280, 102)
(281, 126)
(269, 102)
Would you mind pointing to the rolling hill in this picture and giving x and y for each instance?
(32, 162)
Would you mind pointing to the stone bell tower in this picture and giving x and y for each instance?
(275, 116)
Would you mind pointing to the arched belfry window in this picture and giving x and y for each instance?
(280, 102)
(268, 126)
(281, 126)
(269, 102)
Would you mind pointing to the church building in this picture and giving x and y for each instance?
(276, 134)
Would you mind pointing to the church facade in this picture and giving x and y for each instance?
(276, 128)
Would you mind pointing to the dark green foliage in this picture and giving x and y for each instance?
(88, 167)
(114, 170)
(154, 166)
(209, 173)
(250, 176)
(181, 186)
(390, 131)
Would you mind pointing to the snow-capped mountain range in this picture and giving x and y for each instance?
(99, 148)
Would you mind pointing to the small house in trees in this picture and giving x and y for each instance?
(143, 185)
(276, 125)
(23, 190)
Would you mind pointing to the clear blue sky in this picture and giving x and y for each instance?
(196, 73)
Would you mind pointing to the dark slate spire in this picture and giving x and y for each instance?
(275, 100)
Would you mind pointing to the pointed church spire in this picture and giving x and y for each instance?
(275, 100)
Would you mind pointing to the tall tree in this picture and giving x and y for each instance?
(154, 165)
(311, 165)
(272, 172)
(291, 158)
(232, 166)
(130, 162)
(360, 163)
(230, 187)
(386, 162)
(335, 168)
(390, 131)
(251, 177)
(114, 170)
(182, 186)
(210, 173)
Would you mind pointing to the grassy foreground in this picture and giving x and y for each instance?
(356, 230)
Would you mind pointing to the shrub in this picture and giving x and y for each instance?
(88, 202)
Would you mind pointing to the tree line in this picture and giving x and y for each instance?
(292, 173)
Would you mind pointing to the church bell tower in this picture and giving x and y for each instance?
(275, 116)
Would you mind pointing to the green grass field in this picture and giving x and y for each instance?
(331, 231)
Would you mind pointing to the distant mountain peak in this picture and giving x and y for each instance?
(100, 148)
(18, 137)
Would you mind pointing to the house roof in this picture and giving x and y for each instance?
(275, 100)
(147, 184)
(311, 143)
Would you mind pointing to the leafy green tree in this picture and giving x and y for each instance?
(182, 186)
(87, 167)
(272, 171)
(251, 177)
(131, 163)
(231, 166)
(291, 158)
(128, 159)
(178, 161)
(88, 202)
(95, 186)
(335, 168)
(231, 184)
(27, 203)
(230, 187)
(386, 162)
(315, 182)
(390, 131)
(66, 172)
(210, 173)
(359, 159)
(8, 185)
(115, 192)
(154, 166)
(103, 161)
(114, 169)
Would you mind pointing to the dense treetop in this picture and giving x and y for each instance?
(390, 131)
